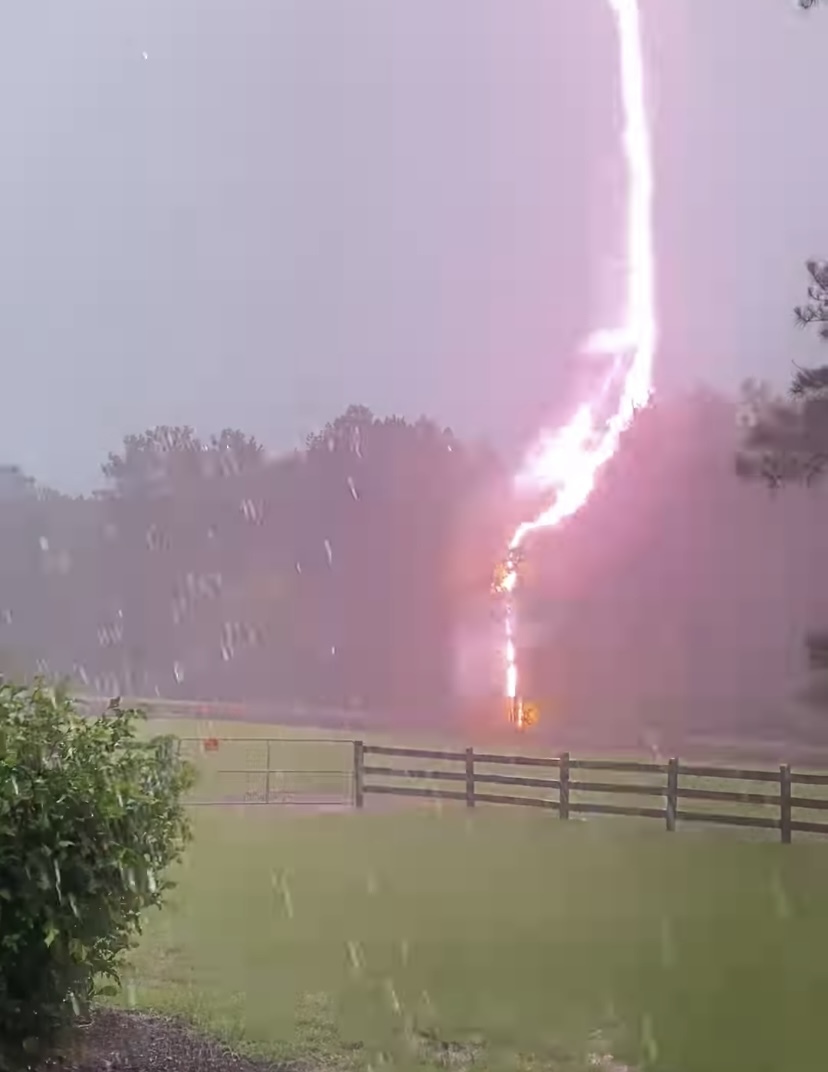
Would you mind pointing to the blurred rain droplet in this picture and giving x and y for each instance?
(355, 956)
(648, 1038)
(279, 882)
(780, 898)
(392, 996)
(287, 898)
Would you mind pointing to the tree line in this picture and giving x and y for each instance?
(354, 573)
(205, 568)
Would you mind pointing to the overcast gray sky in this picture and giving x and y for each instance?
(291, 205)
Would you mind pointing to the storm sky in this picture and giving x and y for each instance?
(255, 212)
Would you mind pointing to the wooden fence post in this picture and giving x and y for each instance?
(785, 802)
(359, 764)
(470, 778)
(563, 793)
(267, 776)
(671, 803)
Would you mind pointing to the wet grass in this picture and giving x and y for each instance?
(500, 939)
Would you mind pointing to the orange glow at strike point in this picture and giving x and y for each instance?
(564, 464)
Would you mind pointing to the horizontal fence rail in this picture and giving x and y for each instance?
(460, 774)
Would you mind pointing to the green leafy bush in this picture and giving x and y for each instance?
(91, 816)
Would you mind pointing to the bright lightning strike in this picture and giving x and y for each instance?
(564, 464)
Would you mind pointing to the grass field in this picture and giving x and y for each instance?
(505, 937)
(499, 939)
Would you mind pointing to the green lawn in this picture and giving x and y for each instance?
(499, 939)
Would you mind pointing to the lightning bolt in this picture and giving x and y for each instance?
(564, 464)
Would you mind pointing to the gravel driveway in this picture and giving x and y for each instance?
(119, 1041)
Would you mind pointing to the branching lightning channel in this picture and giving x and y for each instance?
(563, 465)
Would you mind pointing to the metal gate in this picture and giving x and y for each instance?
(300, 771)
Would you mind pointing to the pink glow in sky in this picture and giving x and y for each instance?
(564, 464)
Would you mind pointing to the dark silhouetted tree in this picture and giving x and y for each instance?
(785, 440)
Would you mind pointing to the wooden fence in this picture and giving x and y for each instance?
(564, 776)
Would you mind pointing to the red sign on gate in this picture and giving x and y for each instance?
(211, 744)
